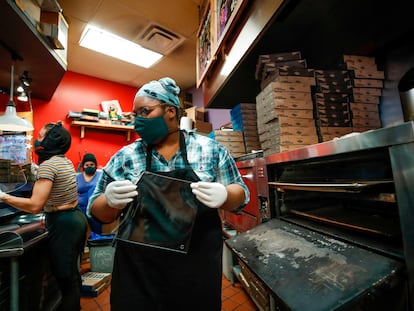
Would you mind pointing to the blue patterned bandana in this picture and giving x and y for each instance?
(165, 90)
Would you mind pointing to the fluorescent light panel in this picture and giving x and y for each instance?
(109, 44)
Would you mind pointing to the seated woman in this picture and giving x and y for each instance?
(86, 181)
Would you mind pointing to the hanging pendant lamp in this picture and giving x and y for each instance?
(9, 121)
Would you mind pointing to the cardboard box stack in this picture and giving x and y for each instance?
(232, 140)
(285, 118)
(269, 65)
(332, 102)
(331, 98)
(197, 114)
(31, 9)
(367, 85)
(94, 283)
(186, 100)
(244, 118)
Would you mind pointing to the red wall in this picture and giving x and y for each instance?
(74, 93)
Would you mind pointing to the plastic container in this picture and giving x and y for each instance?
(101, 253)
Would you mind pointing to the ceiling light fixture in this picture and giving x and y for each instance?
(23, 88)
(109, 44)
(25, 79)
(9, 121)
(20, 88)
(22, 97)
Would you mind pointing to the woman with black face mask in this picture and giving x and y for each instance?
(86, 181)
(54, 193)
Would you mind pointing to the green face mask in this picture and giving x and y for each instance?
(151, 130)
(37, 143)
(89, 170)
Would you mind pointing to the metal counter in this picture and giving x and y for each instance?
(384, 137)
(16, 237)
(309, 271)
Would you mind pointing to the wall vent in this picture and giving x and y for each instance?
(159, 39)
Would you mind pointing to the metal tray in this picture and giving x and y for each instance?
(356, 186)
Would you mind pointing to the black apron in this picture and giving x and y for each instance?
(151, 279)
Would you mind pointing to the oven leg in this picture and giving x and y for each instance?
(272, 303)
(14, 284)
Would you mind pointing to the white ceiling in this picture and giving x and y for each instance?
(128, 19)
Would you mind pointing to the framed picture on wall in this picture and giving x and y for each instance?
(111, 106)
(219, 20)
(228, 12)
(205, 45)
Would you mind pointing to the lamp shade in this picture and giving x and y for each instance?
(9, 121)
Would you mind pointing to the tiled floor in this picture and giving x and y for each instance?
(233, 296)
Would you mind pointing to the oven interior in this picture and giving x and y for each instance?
(349, 197)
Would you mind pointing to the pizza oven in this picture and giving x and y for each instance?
(341, 236)
(252, 168)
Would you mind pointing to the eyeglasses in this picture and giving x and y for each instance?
(146, 110)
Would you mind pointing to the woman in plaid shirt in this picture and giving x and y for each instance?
(157, 279)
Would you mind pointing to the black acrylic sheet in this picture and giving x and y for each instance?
(162, 215)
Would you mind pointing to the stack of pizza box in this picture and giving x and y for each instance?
(367, 84)
(244, 118)
(232, 140)
(285, 118)
(331, 100)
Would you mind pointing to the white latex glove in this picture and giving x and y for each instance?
(211, 194)
(33, 169)
(119, 193)
(2, 195)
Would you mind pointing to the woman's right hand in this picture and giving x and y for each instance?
(2, 195)
(119, 193)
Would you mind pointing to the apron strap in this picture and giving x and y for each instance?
(183, 150)
(148, 158)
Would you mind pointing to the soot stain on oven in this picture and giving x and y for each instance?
(288, 250)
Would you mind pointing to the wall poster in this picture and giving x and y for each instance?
(204, 47)
(14, 147)
(227, 14)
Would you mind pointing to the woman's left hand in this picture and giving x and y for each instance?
(211, 194)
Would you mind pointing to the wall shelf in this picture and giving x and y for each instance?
(100, 126)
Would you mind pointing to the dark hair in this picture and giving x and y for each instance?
(89, 157)
(49, 126)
